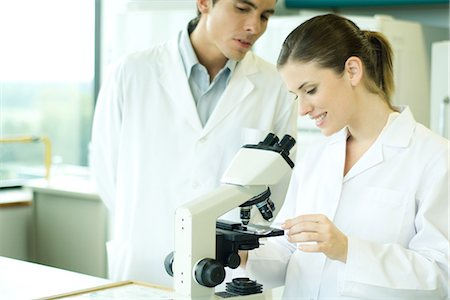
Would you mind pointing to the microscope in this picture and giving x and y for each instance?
(204, 245)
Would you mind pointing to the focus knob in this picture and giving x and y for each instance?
(233, 260)
(209, 272)
(168, 264)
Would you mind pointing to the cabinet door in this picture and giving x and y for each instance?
(14, 229)
(70, 232)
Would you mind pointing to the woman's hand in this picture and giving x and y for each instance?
(319, 229)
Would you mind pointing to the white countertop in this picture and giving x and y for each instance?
(65, 185)
(20, 280)
(15, 196)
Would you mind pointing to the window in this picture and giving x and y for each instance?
(46, 80)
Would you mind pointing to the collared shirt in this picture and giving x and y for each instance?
(206, 94)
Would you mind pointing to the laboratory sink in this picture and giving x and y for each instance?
(10, 179)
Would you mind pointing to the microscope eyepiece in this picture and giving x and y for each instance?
(286, 143)
(270, 140)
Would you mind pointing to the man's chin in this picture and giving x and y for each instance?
(237, 55)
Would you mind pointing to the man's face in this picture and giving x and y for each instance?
(233, 26)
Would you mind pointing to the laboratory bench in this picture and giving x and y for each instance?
(60, 223)
(20, 280)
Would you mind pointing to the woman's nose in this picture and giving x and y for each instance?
(304, 107)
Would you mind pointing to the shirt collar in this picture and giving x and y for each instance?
(187, 52)
(189, 57)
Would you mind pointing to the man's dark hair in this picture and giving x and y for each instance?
(193, 23)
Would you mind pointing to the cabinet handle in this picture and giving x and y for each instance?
(443, 120)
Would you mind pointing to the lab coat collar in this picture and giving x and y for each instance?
(174, 81)
(233, 96)
(176, 85)
(339, 136)
(398, 134)
(189, 58)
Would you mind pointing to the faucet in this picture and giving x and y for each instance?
(35, 139)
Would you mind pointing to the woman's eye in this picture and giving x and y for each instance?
(311, 91)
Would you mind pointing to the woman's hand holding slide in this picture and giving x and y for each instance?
(316, 233)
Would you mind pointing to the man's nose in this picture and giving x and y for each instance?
(254, 25)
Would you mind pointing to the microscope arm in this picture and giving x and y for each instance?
(196, 221)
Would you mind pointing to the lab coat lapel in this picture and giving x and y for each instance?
(372, 157)
(233, 96)
(175, 83)
(333, 173)
(328, 194)
(396, 135)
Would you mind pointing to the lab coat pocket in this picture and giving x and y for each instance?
(252, 135)
(383, 214)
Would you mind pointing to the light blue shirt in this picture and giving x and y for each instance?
(206, 94)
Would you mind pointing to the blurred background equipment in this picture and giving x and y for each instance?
(440, 79)
(12, 174)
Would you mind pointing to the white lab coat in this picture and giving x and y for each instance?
(150, 153)
(393, 205)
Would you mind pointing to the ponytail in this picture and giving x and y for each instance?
(379, 67)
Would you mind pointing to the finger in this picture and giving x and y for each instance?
(287, 224)
(310, 247)
(317, 218)
(306, 226)
(304, 237)
(314, 218)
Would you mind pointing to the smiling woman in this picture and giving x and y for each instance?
(46, 77)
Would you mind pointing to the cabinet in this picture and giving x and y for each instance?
(69, 228)
(15, 219)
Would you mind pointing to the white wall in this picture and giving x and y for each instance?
(132, 25)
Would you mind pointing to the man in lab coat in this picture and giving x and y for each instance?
(169, 120)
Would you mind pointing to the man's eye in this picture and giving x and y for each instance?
(264, 18)
(242, 9)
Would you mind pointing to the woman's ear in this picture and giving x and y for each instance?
(354, 70)
(203, 6)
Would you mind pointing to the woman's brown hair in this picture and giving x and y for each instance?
(330, 40)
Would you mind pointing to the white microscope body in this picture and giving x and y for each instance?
(254, 168)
